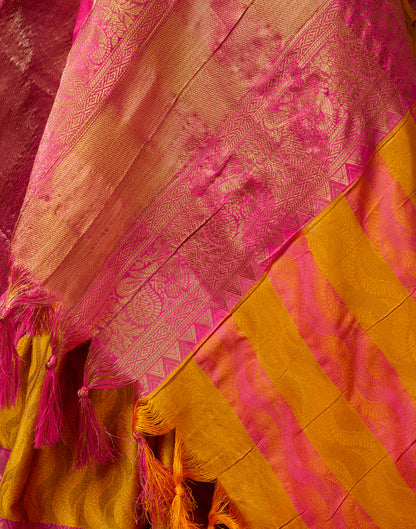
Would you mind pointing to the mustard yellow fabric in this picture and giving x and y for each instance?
(43, 485)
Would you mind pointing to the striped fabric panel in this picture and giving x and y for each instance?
(273, 426)
(335, 430)
(318, 366)
(347, 355)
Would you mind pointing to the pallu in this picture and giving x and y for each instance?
(210, 316)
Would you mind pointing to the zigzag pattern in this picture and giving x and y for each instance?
(383, 122)
(295, 140)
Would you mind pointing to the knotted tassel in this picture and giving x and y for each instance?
(9, 363)
(156, 482)
(49, 423)
(94, 442)
(222, 513)
(157, 487)
(183, 503)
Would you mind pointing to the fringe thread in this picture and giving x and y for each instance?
(95, 444)
(157, 487)
(222, 513)
(156, 482)
(183, 503)
(49, 422)
(147, 421)
(24, 309)
(9, 363)
(165, 498)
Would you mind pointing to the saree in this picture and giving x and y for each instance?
(210, 313)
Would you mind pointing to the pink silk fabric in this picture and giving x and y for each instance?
(233, 124)
(83, 12)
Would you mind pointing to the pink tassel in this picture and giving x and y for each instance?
(93, 440)
(49, 423)
(33, 320)
(9, 363)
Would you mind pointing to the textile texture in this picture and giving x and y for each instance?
(35, 38)
(210, 317)
(309, 383)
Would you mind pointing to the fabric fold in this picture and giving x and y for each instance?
(218, 241)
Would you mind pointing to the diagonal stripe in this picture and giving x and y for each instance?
(387, 216)
(336, 431)
(235, 370)
(339, 435)
(368, 286)
(347, 355)
(212, 431)
(372, 292)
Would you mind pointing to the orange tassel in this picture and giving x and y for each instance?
(166, 499)
(222, 513)
(157, 487)
(183, 503)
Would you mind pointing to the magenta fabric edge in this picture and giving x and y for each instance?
(4, 456)
(83, 13)
(9, 524)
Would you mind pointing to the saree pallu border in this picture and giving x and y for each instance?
(305, 393)
(178, 231)
(223, 193)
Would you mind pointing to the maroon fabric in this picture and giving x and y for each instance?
(35, 38)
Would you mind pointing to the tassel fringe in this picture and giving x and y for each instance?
(9, 364)
(222, 513)
(147, 421)
(94, 442)
(49, 423)
(24, 309)
(156, 482)
(157, 487)
(183, 504)
(33, 320)
(166, 499)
